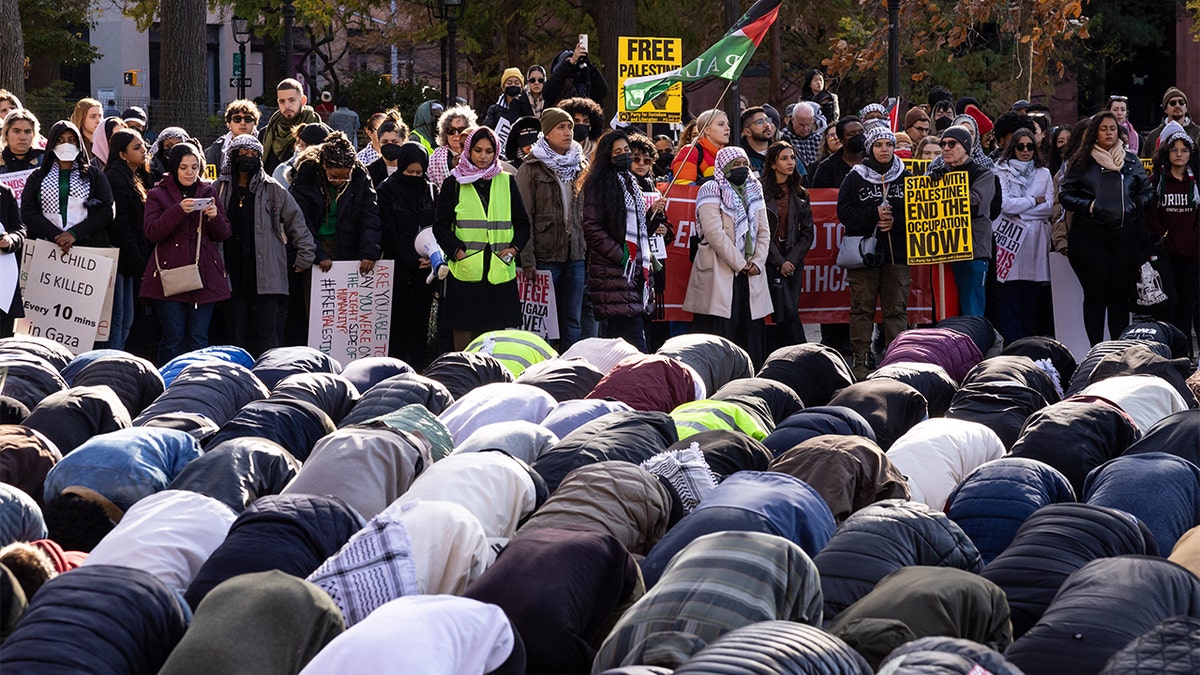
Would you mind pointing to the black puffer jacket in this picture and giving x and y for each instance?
(214, 389)
(718, 360)
(628, 436)
(771, 647)
(1172, 646)
(396, 392)
(612, 294)
(358, 235)
(332, 393)
(127, 230)
(295, 425)
(239, 471)
(135, 380)
(880, 539)
(275, 364)
(1120, 198)
(72, 416)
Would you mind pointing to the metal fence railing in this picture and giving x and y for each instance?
(204, 122)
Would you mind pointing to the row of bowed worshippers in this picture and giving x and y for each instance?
(971, 506)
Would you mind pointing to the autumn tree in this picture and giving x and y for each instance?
(12, 57)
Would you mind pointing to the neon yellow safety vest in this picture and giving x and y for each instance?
(423, 141)
(706, 415)
(485, 234)
(516, 349)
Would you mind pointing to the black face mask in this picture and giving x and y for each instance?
(247, 164)
(621, 162)
(942, 124)
(390, 151)
(581, 132)
(739, 175)
(512, 90)
(856, 145)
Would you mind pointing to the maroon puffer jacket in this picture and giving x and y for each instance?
(173, 234)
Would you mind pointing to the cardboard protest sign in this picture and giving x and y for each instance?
(640, 56)
(937, 219)
(16, 180)
(64, 294)
(826, 294)
(350, 313)
(539, 310)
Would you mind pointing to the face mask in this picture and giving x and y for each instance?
(390, 151)
(66, 152)
(739, 175)
(247, 164)
(512, 90)
(621, 162)
(665, 158)
(942, 124)
(581, 132)
(856, 145)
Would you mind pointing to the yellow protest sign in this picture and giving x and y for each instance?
(937, 219)
(640, 56)
(917, 167)
(210, 172)
(1148, 165)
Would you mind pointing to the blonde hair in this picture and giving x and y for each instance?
(81, 110)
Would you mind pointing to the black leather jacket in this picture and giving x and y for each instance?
(1120, 198)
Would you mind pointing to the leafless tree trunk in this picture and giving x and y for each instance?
(12, 57)
(184, 72)
(614, 18)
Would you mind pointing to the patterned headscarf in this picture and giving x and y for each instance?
(231, 148)
(167, 134)
(466, 172)
(741, 205)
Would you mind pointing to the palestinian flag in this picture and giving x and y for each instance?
(726, 59)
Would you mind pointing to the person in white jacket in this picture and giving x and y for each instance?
(1022, 233)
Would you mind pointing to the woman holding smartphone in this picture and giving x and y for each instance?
(185, 223)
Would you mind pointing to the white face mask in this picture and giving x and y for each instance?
(66, 152)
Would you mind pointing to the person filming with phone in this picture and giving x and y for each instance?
(572, 75)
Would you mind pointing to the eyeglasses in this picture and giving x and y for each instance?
(761, 122)
(1025, 147)
(1177, 101)
(455, 131)
(536, 80)
(948, 144)
(1181, 151)
(924, 129)
(1116, 97)
(242, 119)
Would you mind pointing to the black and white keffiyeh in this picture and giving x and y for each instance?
(78, 193)
(687, 472)
(566, 166)
(375, 567)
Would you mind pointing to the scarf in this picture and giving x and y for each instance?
(163, 136)
(1112, 159)
(466, 172)
(1018, 174)
(687, 472)
(742, 206)
(439, 165)
(565, 167)
(872, 172)
(279, 137)
(637, 239)
(78, 193)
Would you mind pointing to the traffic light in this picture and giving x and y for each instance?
(386, 77)
(133, 78)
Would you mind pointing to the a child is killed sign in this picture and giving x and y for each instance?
(64, 294)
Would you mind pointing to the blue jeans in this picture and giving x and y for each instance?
(184, 327)
(969, 276)
(122, 312)
(567, 278)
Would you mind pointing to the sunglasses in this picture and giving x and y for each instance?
(242, 119)
(642, 160)
(1025, 147)
(456, 131)
(536, 80)
(1177, 101)
(948, 144)
(1116, 97)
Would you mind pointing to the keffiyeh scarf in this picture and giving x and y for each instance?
(565, 167)
(76, 198)
(687, 472)
(742, 208)
(637, 239)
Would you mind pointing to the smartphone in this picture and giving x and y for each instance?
(201, 203)
(583, 41)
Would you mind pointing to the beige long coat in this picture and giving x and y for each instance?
(710, 286)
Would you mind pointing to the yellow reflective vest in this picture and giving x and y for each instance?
(484, 234)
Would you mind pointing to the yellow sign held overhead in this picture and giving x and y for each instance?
(640, 56)
(937, 219)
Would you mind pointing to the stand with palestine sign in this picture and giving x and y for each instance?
(643, 56)
(937, 219)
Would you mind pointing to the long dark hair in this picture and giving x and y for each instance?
(1082, 153)
(1010, 150)
(1162, 157)
(770, 187)
(81, 161)
(121, 139)
(806, 91)
(601, 181)
(178, 152)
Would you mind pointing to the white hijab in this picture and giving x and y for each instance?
(428, 634)
(168, 534)
(1145, 398)
(938, 453)
(491, 485)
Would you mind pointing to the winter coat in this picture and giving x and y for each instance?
(718, 360)
(238, 471)
(276, 364)
(1083, 373)
(333, 394)
(748, 501)
(629, 436)
(134, 380)
(1001, 406)
(174, 235)
(22, 519)
(92, 230)
(850, 472)
(992, 502)
(396, 392)
(1076, 436)
(950, 349)
(291, 533)
(1018, 369)
(294, 425)
(557, 232)
(1120, 199)
(564, 380)
(890, 407)
(1173, 645)
(648, 383)
(718, 262)
(226, 353)
(1161, 490)
(127, 231)
(1047, 353)
(72, 416)
(820, 421)
(358, 235)
(727, 452)
(770, 647)
(214, 389)
(1052, 543)
(799, 233)
(612, 294)
(930, 379)
(858, 210)
(498, 402)
(1177, 434)
(461, 372)
(279, 227)
(778, 397)
(814, 371)
(1102, 607)
(30, 379)
(882, 538)
(26, 457)
(568, 80)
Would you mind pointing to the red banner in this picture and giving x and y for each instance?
(826, 295)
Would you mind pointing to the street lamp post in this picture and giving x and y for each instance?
(893, 7)
(289, 51)
(451, 11)
(241, 35)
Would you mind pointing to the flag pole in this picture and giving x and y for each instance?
(699, 134)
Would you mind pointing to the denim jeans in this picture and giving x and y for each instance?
(969, 277)
(567, 278)
(122, 312)
(184, 327)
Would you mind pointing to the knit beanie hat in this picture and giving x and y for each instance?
(879, 132)
(959, 134)
(1172, 93)
(982, 122)
(552, 117)
(314, 134)
(915, 115)
(512, 72)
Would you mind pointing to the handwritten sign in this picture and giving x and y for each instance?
(350, 313)
(64, 294)
(641, 56)
(539, 310)
(16, 180)
(937, 219)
